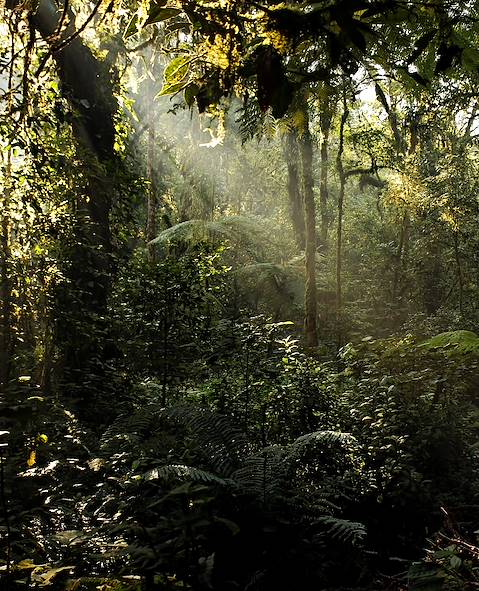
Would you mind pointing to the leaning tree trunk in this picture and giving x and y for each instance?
(86, 84)
(311, 299)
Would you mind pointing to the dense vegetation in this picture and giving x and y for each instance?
(239, 295)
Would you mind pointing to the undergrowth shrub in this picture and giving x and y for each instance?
(222, 511)
(412, 407)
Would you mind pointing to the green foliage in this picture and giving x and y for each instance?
(458, 341)
(159, 416)
(207, 515)
(414, 410)
(170, 308)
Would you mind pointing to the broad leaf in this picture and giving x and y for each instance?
(158, 14)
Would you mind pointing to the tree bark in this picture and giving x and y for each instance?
(310, 303)
(339, 240)
(152, 203)
(325, 122)
(291, 154)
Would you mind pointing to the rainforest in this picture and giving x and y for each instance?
(239, 295)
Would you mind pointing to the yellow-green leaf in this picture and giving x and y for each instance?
(171, 88)
(132, 27)
(158, 14)
(177, 69)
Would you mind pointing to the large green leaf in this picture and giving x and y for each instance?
(158, 14)
(175, 76)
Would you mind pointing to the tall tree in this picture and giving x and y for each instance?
(325, 118)
(311, 298)
(292, 157)
(86, 84)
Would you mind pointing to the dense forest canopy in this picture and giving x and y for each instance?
(239, 280)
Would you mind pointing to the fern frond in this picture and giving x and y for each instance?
(128, 431)
(219, 441)
(247, 231)
(343, 530)
(182, 472)
(256, 580)
(265, 272)
(264, 475)
(191, 232)
(250, 119)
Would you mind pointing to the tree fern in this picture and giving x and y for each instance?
(273, 283)
(225, 228)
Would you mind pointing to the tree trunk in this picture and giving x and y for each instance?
(152, 204)
(291, 154)
(339, 240)
(86, 84)
(460, 275)
(6, 336)
(325, 121)
(401, 255)
(5, 299)
(310, 303)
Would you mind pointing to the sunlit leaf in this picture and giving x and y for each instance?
(45, 578)
(177, 69)
(158, 14)
(132, 27)
(171, 88)
(175, 75)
